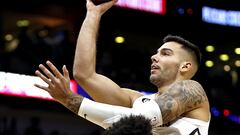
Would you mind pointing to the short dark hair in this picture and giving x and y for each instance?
(130, 125)
(187, 45)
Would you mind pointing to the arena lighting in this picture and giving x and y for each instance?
(237, 50)
(210, 48)
(237, 63)
(23, 86)
(8, 37)
(154, 6)
(119, 39)
(209, 63)
(226, 113)
(226, 68)
(234, 75)
(215, 111)
(23, 23)
(224, 57)
(221, 16)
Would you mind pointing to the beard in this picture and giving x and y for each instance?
(156, 80)
(164, 75)
(161, 79)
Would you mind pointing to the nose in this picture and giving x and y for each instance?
(154, 58)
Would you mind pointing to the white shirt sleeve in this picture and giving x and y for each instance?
(105, 115)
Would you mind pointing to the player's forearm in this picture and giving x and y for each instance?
(85, 55)
(73, 102)
(105, 115)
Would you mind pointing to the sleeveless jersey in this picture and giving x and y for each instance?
(186, 126)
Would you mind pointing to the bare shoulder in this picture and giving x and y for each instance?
(133, 94)
(187, 88)
(181, 97)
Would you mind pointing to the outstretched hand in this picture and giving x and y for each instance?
(100, 8)
(58, 84)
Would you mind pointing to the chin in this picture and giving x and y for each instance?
(153, 79)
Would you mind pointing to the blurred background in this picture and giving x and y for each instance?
(32, 32)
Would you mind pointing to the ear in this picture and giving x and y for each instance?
(185, 67)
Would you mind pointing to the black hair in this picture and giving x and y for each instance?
(187, 45)
(130, 125)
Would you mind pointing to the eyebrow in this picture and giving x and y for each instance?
(165, 49)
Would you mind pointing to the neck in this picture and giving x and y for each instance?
(166, 86)
(162, 89)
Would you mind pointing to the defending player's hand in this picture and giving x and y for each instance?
(58, 83)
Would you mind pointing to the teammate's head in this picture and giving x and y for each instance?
(138, 125)
(132, 125)
(176, 59)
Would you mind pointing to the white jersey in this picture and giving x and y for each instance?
(186, 126)
(189, 126)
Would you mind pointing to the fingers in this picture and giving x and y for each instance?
(42, 87)
(65, 72)
(52, 78)
(46, 72)
(54, 69)
(44, 78)
(90, 2)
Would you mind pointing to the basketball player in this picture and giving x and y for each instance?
(179, 102)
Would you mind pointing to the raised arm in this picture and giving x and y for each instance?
(99, 87)
(181, 98)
